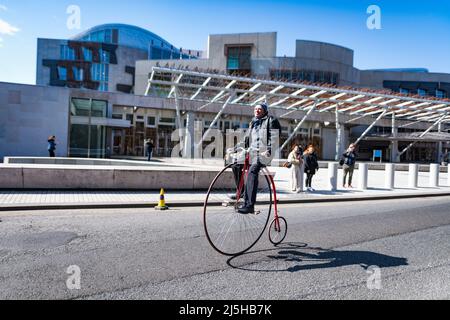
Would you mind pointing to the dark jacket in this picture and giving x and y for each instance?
(311, 163)
(349, 158)
(265, 126)
(51, 145)
(149, 147)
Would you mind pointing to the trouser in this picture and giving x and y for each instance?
(309, 177)
(297, 178)
(52, 153)
(251, 188)
(149, 155)
(348, 170)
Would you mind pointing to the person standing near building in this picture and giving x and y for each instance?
(311, 166)
(51, 146)
(149, 149)
(349, 160)
(296, 160)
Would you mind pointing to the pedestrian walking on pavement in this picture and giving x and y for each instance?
(51, 146)
(311, 166)
(295, 159)
(149, 149)
(349, 162)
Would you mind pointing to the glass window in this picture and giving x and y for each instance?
(79, 140)
(151, 121)
(99, 109)
(77, 74)
(67, 53)
(130, 118)
(421, 92)
(87, 54)
(104, 56)
(404, 91)
(103, 86)
(167, 120)
(80, 107)
(87, 141)
(117, 116)
(97, 146)
(62, 72)
(84, 108)
(239, 58)
(440, 93)
(108, 36)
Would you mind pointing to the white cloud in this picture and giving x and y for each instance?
(1, 40)
(6, 28)
(4, 8)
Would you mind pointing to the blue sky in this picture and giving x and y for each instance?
(413, 34)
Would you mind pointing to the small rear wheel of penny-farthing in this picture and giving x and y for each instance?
(278, 230)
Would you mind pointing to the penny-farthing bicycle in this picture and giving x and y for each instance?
(231, 233)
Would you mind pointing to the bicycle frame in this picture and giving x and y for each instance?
(245, 172)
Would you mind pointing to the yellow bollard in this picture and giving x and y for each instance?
(162, 202)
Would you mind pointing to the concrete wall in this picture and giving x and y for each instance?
(29, 115)
(125, 57)
(264, 46)
(323, 51)
(104, 178)
(329, 143)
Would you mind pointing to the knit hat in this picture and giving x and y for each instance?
(265, 107)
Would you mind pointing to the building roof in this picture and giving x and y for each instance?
(295, 96)
(129, 35)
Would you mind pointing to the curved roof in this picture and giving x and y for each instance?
(131, 36)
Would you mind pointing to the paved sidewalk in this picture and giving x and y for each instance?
(33, 200)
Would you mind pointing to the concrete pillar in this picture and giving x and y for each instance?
(439, 146)
(189, 143)
(434, 175)
(413, 175)
(340, 129)
(390, 176)
(363, 175)
(198, 133)
(394, 144)
(333, 175)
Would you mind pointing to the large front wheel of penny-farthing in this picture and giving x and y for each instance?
(228, 231)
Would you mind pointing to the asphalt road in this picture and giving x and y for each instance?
(397, 249)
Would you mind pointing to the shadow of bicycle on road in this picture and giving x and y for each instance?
(294, 257)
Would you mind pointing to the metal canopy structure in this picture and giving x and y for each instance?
(227, 90)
